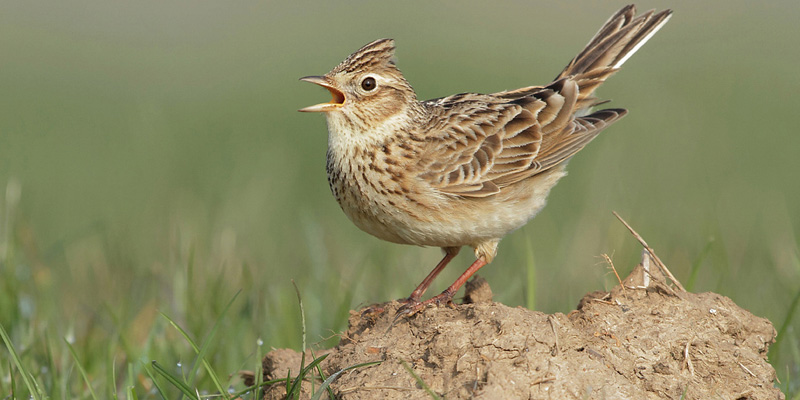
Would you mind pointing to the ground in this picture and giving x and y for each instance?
(643, 340)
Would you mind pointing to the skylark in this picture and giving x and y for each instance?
(467, 169)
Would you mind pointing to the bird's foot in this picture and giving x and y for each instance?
(442, 299)
(413, 306)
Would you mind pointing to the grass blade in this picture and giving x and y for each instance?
(773, 351)
(294, 391)
(112, 379)
(323, 377)
(203, 349)
(80, 368)
(296, 384)
(131, 393)
(38, 388)
(326, 385)
(13, 381)
(201, 355)
(288, 381)
(175, 381)
(2, 380)
(55, 391)
(302, 315)
(240, 393)
(259, 370)
(160, 390)
(18, 363)
(421, 382)
(130, 389)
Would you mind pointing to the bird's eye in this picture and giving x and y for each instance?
(368, 83)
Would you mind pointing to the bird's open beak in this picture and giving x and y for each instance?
(336, 102)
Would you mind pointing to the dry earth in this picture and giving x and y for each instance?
(646, 341)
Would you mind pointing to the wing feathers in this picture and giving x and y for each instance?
(581, 131)
(560, 106)
(490, 143)
(475, 145)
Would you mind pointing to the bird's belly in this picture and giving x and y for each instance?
(422, 217)
(449, 222)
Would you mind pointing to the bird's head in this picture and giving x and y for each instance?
(367, 89)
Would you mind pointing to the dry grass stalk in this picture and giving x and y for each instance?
(652, 253)
(611, 263)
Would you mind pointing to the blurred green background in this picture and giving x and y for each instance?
(153, 160)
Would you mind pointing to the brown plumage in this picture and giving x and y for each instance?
(467, 169)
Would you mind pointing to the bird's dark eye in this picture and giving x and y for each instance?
(368, 83)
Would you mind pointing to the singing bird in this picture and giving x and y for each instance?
(467, 169)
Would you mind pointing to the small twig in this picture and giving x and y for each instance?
(353, 389)
(543, 380)
(646, 268)
(652, 253)
(611, 263)
(649, 275)
(748, 371)
(688, 359)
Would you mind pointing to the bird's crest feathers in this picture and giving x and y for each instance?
(373, 56)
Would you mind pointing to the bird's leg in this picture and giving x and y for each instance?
(446, 296)
(416, 295)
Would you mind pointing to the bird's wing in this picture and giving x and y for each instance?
(474, 145)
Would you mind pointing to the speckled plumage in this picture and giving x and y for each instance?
(467, 169)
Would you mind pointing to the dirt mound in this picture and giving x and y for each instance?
(647, 341)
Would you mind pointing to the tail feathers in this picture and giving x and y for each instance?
(562, 145)
(619, 38)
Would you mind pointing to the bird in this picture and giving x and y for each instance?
(466, 169)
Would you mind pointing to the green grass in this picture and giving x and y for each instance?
(421, 382)
(27, 377)
(152, 164)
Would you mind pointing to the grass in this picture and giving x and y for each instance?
(27, 377)
(421, 382)
(153, 165)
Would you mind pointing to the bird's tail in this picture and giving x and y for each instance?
(620, 37)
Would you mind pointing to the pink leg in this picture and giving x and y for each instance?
(445, 297)
(449, 254)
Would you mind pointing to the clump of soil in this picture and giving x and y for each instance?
(644, 341)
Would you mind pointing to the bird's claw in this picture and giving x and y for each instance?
(412, 306)
(408, 309)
